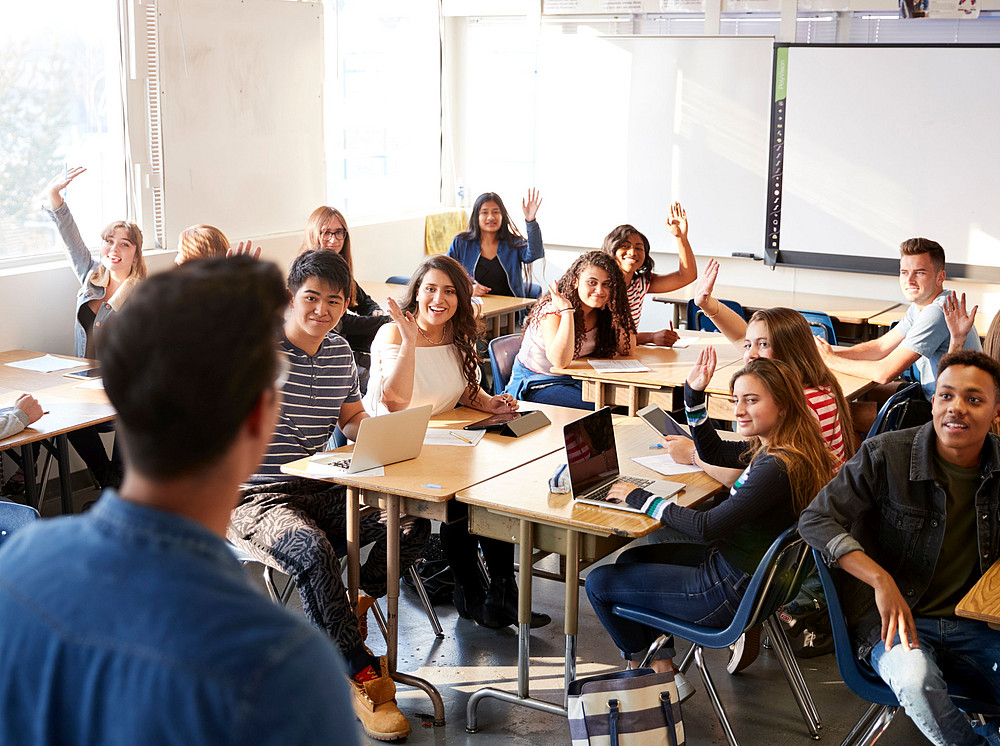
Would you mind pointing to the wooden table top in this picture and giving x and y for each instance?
(523, 492)
(847, 310)
(492, 305)
(455, 467)
(983, 601)
(69, 407)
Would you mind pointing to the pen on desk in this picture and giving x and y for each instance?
(655, 445)
(466, 440)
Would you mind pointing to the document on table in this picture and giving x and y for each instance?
(683, 342)
(324, 465)
(45, 364)
(443, 437)
(663, 464)
(617, 366)
(97, 383)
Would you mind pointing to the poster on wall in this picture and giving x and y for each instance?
(938, 8)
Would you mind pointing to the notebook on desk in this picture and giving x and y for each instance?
(592, 460)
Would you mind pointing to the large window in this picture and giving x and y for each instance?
(383, 106)
(60, 103)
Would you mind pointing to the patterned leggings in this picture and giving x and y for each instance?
(300, 528)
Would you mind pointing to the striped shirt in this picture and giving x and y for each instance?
(824, 405)
(310, 403)
(637, 290)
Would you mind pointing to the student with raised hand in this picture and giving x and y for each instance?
(327, 230)
(492, 251)
(207, 242)
(105, 286)
(785, 463)
(292, 523)
(428, 356)
(25, 411)
(148, 632)
(584, 314)
(630, 248)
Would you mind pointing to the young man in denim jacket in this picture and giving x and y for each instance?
(914, 518)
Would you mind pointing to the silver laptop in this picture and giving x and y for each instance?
(592, 458)
(387, 439)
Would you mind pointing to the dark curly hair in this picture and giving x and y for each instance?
(614, 321)
(466, 326)
(619, 237)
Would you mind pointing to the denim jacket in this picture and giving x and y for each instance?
(511, 258)
(886, 502)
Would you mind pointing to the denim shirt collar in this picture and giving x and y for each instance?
(141, 524)
(923, 452)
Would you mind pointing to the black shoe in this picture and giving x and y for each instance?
(469, 606)
(500, 607)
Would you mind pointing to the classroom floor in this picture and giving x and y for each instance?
(758, 700)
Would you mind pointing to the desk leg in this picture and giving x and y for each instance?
(353, 545)
(31, 496)
(65, 475)
(496, 326)
(598, 395)
(572, 613)
(523, 645)
(392, 615)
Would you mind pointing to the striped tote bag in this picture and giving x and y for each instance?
(626, 708)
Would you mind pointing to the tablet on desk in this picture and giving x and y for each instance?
(85, 374)
(495, 422)
(661, 422)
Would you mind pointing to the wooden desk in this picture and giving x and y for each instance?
(854, 311)
(69, 408)
(407, 488)
(983, 601)
(493, 309)
(503, 509)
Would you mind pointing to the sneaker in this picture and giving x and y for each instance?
(364, 604)
(684, 687)
(745, 651)
(815, 642)
(374, 701)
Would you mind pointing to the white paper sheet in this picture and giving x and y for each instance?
(97, 383)
(45, 364)
(324, 465)
(617, 366)
(663, 464)
(683, 342)
(443, 437)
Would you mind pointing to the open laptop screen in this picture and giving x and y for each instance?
(590, 451)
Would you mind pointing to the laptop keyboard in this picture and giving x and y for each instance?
(601, 493)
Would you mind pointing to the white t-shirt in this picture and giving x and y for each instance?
(437, 377)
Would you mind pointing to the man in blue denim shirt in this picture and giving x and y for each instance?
(134, 623)
(914, 517)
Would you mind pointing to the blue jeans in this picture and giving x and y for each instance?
(563, 391)
(693, 582)
(959, 649)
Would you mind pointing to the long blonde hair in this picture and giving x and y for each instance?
(797, 441)
(138, 269)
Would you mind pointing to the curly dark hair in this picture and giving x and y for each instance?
(466, 326)
(614, 321)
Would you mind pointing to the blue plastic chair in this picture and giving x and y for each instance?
(14, 516)
(821, 325)
(890, 416)
(775, 582)
(503, 350)
(698, 321)
(862, 679)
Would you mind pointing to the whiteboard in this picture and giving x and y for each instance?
(242, 115)
(626, 125)
(887, 143)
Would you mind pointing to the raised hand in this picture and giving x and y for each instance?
(703, 369)
(559, 301)
(959, 321)
(706, 286)
(30, 406)
(59, 182)
(530, 204)
(677, 222)
(405, 322)
(244, 248)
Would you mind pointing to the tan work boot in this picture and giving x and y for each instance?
(375, 705)
(364, 604)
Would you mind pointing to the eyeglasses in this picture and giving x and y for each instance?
(339, 235)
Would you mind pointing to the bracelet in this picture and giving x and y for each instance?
(562, 310)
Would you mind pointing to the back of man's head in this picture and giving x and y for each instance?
(186, 360)
(917, 246)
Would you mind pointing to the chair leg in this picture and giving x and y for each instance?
(713, 695)
(686, 660)
(793, 674)
(875, 720)
(432, 616)
(380, 620)
(653, 649)
(279, 597)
